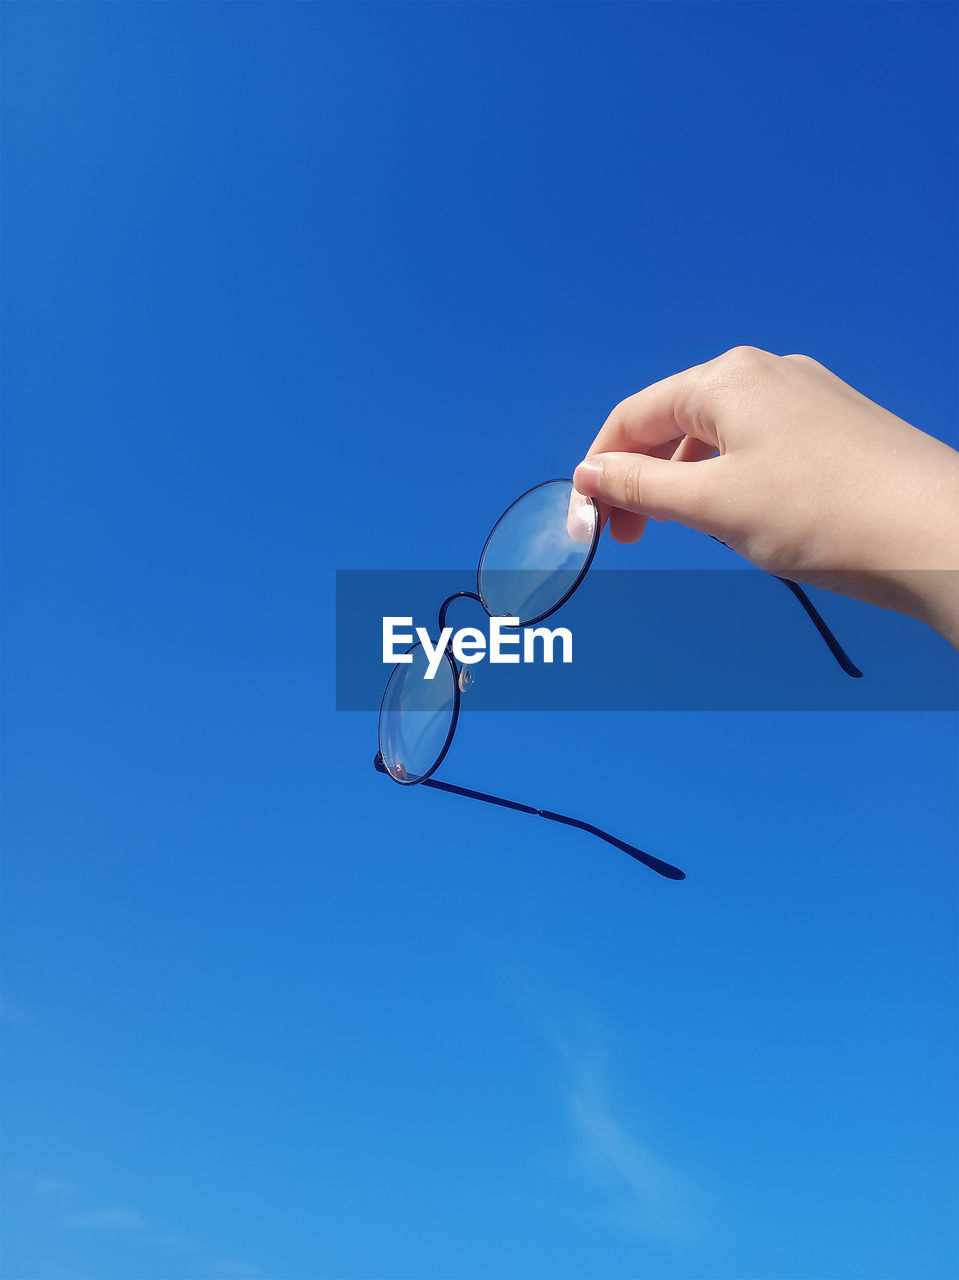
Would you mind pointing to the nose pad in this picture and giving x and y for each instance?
(465, 679)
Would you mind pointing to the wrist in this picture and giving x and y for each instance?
(923, 553)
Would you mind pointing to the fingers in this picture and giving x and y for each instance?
(656, 444)
(661, 413)
(662, 488)
(628, 526)
(580, 517)
(693, 449)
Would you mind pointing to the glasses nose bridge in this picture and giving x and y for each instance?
(457, 595)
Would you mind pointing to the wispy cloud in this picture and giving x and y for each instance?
(123, 1219)
(114, 1218)
(634, 1187)
(640, 1190)
(43, 1186)
(226, 1269)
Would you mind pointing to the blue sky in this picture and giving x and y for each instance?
(298, 288)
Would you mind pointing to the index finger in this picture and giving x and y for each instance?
(664, 411)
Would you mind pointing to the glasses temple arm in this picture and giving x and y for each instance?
(835, 648)
(663, 868)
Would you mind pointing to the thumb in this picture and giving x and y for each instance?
(659, 487)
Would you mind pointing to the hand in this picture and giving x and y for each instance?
(796, 471)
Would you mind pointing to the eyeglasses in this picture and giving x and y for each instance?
(537, 554)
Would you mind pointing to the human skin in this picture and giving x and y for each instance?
(795, 470)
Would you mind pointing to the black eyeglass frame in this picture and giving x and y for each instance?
(426, 779)
(477, 595)
(529, 622)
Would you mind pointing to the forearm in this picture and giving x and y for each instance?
(938, 602)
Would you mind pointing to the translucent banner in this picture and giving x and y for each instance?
(657, 640)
